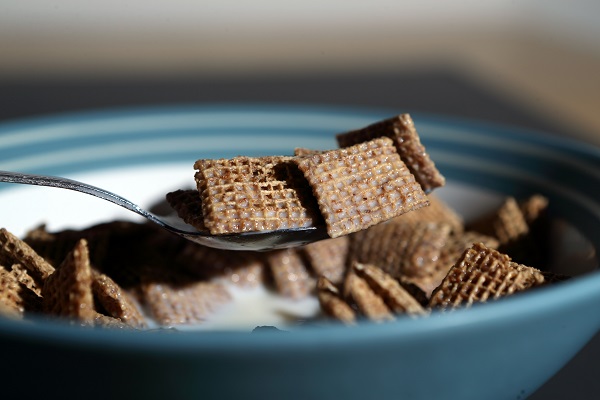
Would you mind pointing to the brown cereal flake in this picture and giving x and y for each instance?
(401, 129)
(105, 321)
(246, 194)
(438, 212)
(15, 251)
(332, 304)
(188, 205)
(68, 291)
(115, 302)
(242, 268)
(327, 257)
(289, 273)
(401, 250)
(507, 223)
(398, 299)
(10, 299)
(371, 305)
(362, 185)
(449, 254)
(534, 207)
(302, 151)
(483, 274)
(25, 279)
(31, 294)
(182, 304)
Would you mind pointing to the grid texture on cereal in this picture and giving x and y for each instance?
(289, 273)
(327, 258)
(401, 129)
(396, 297)
(15, 251)
(483, 274)
(401, 250)
(246, 194)
(331, 302)
(451, 252)
(116, 302)
(507, 223)
(437, 211)
(10, 299)
(361, 186)
(68, 291)
(188, 206)
(179, 304)
(366, 300)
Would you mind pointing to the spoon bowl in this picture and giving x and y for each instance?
(254, 241)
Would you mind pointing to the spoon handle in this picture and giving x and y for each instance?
(65, 183)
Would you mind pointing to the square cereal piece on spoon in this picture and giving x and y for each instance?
(361, 186)
(246, 194)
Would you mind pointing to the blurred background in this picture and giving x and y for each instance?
(540, 58)
(529, 63)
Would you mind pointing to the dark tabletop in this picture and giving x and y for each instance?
(444, 92)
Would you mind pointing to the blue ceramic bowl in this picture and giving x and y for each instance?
(505, 349)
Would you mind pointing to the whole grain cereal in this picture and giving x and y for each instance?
(247, 194)
(382, 261)
(68, 291)
(401, 129)
(483, 274)
(361, 186)
(332, 303)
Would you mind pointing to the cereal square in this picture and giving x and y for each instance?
(402, 130)
(188, 205)
(68, 291)
(247, 194)
(483, 274)
(361, 186)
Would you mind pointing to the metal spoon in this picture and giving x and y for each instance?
(256, 241)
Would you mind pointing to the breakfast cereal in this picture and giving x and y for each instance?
(395, 249)
(361, 186)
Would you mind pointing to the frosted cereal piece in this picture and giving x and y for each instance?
(115, 302)
(398, 299)
(172, 304)
(247, 194)
(483, 274)
(68, 291)
(10, 299)
(327, 258)
(437, 211)
(332, 304)
(402, 130)
(407, 251)
(369, 303)
(15, 251)
(361, 186)
(188, 205)
(290, 273)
